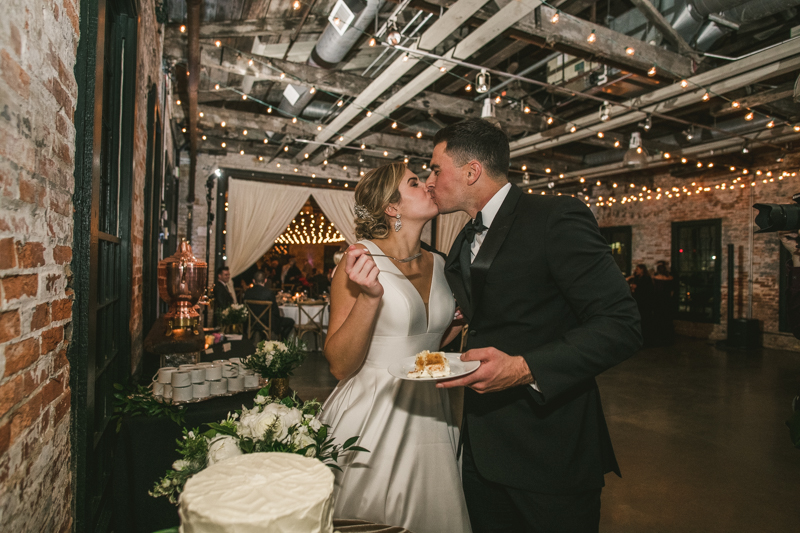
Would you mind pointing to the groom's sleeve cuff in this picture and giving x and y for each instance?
(535, 387)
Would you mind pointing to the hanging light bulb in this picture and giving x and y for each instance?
(483, 81)
(283, 75)
(372, 41)
(222, 124)
(405, 56)
(749, 116)
(393, 37)
(706, 97)
(652, 71)
(591, 38)
(684, 84)
(630, 51)
(442, 69)
(394, 125)
(497, 100)
(616, 144)
(296, 5)
(554, 18)
(419, 135)
(771, 124)
(600, 135)
(526, 110)
(217, 43)
(183, 28)
(369, 113)
(549, 120)
(605, 111)
(312, 90)
(468, 88)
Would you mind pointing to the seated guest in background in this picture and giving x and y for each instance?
(665, 291)
(224, 295)
(320, 282)
(291, 274)
(259, 291)
(644, 292)
(791, 241)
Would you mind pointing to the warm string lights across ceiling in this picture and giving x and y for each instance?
(626, 193)
(309, 228)
(549, 118)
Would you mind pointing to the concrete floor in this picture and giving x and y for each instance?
(699, 434)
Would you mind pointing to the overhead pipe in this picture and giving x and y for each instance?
(331, 49)
(193, 8)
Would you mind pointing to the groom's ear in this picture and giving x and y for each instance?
(474, 172)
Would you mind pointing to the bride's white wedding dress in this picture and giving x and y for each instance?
(410, 477)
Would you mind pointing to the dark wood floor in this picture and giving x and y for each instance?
(700, 437)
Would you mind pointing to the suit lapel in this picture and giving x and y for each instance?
(491, 244)
(452, 271)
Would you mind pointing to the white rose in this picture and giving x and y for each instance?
(222, 447)
(255, 424)
(313, 423)
(260, 400)
(180, 464)
(301, 438)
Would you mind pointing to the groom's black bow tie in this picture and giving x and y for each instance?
(474, 227)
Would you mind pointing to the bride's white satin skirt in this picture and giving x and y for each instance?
(410, 477)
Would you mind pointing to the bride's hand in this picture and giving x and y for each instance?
(362, 270)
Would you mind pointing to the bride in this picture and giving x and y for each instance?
(383, 310)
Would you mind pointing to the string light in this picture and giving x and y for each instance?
(591, 38)
(177, 102)
(771, 124)
(419, 135)
(554, 18)
(549, 120)
(600, 134)
(630, 51)
(684, 84)
(217, 43)
(312, 90)
(222, 124)
(526, 110)
(183, 28)
(706, 97)
(652, 71)
(372, 41)
(244, 132)
(749, 116)
(296, 5)
(735, 104)
(468, 88)
(394, 125)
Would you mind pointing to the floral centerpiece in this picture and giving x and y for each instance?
(235, 316)
(276, 361)
(272, 425)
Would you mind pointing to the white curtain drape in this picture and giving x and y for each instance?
(338, 206)
(447, 228)
(257, 214)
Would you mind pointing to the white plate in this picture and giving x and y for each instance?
(458, 368)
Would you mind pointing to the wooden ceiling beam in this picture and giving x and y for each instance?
(657, 19)
(272, 25)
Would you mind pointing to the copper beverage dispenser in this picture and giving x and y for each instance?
(181, 283)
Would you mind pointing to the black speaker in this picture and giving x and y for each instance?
(744, 333)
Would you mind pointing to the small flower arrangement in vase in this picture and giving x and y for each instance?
(272, 425)
(231, 318)
(276, 361)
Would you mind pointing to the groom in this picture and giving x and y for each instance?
(548, 310)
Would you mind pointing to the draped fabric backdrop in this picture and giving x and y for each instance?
(447, 228)
(338, 207)
(259, 212)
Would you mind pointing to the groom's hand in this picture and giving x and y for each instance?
(498, 371)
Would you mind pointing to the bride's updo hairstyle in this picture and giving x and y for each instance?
(376, 190)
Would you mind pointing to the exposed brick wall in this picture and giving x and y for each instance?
(148, 72)
(651, 227)
(38, 92)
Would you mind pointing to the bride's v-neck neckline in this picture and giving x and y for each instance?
(427, 307)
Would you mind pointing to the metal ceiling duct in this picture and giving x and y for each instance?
(347, 23)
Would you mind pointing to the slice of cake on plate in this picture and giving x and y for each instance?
(430, 365)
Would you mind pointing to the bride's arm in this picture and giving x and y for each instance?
(355, 296)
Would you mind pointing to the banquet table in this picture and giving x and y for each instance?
(145, 450)
(293, 312)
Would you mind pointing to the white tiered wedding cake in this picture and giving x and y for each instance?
(259, 492)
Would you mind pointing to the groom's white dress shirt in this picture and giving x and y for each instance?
(488, 213)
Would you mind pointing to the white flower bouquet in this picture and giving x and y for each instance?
(270, 426)
(274, 359)
(233, 315)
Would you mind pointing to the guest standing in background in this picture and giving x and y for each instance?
(791, 241)
(224, 294)
(644, 293)
(259, 291)
(664, 309)
(291, 274)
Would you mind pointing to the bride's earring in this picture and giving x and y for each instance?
(397, 223)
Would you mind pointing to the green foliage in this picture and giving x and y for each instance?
(272, 425)
(138, 400)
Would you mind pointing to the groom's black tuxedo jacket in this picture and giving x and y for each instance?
(544, 286)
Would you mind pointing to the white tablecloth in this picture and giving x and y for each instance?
(293, 312)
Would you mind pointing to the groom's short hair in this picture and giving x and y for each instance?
(477, 139)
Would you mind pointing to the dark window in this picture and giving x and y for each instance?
(783, 301)
(619, 239)
(100, 357)
(696, 260)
